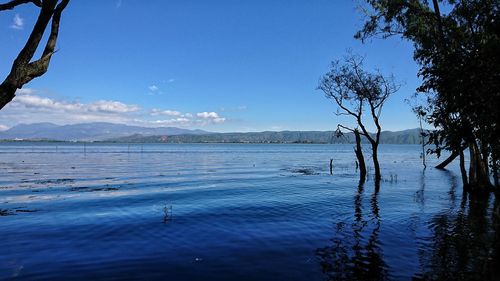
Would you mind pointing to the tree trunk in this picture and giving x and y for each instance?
(494, 167)
(478, 174)
(360, 157)
(7, 93)
(376, 165)
(465, 181)
(422, 138)
(448, 160)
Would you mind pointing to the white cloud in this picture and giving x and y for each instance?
(25, 91)
(102, 106)
(187, 119)
(3, 127)
(207, 115)
(156, 112)
(29, 106)
(219, 120)
(201, 118)
(154, 90)
(31, 101)
(212, 117)
(17, 22)
(112, 107)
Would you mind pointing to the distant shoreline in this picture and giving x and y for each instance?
(119, 133)
(3, 141)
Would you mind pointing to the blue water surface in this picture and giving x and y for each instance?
(235, 212)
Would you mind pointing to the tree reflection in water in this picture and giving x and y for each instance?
(463, 242)
(351, 256)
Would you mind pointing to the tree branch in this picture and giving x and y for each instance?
(12, 4)
(344, 127)
(40, 66)
(23, 70)
(36, 35)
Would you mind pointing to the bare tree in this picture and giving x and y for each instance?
(356, 91)
(24, 69)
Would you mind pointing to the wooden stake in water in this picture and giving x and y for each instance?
(331, 166)
(167, 213)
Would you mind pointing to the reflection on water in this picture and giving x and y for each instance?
(236, 212)
(355, 253)
(463, 244)
(463, 241)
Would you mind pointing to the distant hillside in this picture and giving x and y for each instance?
(411, 136)
(87, 131)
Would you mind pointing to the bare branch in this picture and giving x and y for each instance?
(344, 127)
(12, 4)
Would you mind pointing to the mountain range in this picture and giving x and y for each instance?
(411, 136)
(110, 132)
(98, 131)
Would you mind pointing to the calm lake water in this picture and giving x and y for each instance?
(236, 212)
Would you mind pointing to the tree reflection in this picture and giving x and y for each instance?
(460, 242)
(463, 244)
(351, 256)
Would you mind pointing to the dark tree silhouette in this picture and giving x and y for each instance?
(356, 91)
(460, 70)
(355, 252)
(359, 155)
(24, 69)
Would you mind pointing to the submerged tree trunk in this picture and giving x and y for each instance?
(376, 165)
(463, 172)
(494, 167)
(422, 138)
(478, 171)
(360, 157)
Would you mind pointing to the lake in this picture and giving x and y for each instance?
(236, 212)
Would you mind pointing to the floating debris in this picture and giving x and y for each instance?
(4, 212)
(305, 171)
(88, 189)
(54, 181)
(26, 211)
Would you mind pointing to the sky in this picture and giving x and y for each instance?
(221, 65)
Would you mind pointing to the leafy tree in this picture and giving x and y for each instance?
(24, 69)
(460, 68)
(356, 91)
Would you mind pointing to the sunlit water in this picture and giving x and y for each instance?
(235, 212)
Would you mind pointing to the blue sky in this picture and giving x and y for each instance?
(222, 65)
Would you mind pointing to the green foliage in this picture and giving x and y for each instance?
(459, 55)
